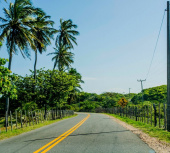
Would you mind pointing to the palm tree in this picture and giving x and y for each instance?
(44, 32)
(16, 30)
(62, 58)
(66, 33)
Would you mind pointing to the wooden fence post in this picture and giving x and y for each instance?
(21, 118)
(165, 117)
(26, 118)
(29, 118)
(16, 119)
(159, 116)
(147, 114)
(11, 119)
(32, 118)
(151, 115)
(155, 120)
(6, 124)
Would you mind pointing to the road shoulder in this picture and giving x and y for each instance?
(154, 143)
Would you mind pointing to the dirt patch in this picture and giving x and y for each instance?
(154, 143)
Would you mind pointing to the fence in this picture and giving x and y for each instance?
(155, 115)
(19, 119)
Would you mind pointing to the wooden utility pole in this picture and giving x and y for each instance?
(142, 89)
(168, 69)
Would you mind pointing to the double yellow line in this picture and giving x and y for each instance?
(54, 142)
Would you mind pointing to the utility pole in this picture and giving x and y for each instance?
(142, 89)
(129, 94)
(168, 68)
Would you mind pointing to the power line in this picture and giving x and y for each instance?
(156, 45)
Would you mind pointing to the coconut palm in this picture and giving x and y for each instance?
(62, 58)
(16, 28)
(66, 33)
(44, 32)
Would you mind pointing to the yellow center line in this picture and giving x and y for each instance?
(63, 136)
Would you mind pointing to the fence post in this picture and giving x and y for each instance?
(26, 118)
(151, 114)
(147, 114)
(29, 117)
(16, 119)
(165, 117)
(136, 117)
(11, 119)
(155, 120)
(32, 118)
(159, 116)
(6, 123)
(21, 118)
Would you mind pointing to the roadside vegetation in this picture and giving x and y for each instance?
(161, 134)
(17, 131)
(25, 28)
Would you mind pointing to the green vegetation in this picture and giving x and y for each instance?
(24, 28)
(7, 88)
(152, 131)
(153, 95)
(90, 101)
(5, 135)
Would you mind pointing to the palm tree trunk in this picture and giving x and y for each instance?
(7, 98)
(35, 64)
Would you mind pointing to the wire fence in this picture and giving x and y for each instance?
(23, 118)
(154, 115)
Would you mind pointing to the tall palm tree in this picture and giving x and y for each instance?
(44, 32)
(62, 58)
(16, 30)
(66, 33)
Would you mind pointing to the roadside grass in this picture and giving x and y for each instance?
(156, 132)
(14, 132)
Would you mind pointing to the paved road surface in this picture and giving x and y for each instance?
(93, 133)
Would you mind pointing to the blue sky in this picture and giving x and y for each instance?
(115, 45)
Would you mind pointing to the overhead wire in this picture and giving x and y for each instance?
(155, 45)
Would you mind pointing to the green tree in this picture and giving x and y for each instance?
(62, 58)
(6, 86)
(66, 34)
(7, 89)
(43, 31)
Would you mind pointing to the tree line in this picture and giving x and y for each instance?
(23, 28)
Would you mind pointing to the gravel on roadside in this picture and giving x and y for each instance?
(154, 143)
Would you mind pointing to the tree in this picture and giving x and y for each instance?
(43, 31)
(0, 44)
(62, 57)
(66, 34)
(6, 86)
(16, 29)
(7, 89)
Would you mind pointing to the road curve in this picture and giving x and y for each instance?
(85, 133)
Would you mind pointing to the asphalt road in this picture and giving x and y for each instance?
(93, 133)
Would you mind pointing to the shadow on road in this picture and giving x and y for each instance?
(81, 134)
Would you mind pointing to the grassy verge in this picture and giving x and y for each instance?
(161, 134)
(5, 135)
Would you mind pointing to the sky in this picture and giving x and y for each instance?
(115, 46)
